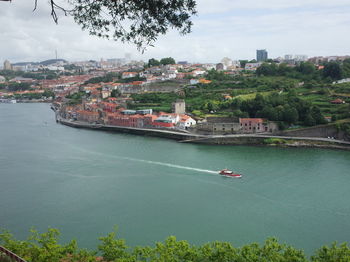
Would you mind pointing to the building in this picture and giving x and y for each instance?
(252, 66)
(166, 120)
(227, 61)
(179, 107)
(257, 125)
(300, 58)
(144, 111)
(7, 65)
(129, 75)
(186, 122)
(337, 101)
(261, 55)
(87, 116)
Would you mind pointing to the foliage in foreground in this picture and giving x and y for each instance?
(45, 247)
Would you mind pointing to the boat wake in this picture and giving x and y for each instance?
(149, 162)
(170, 165)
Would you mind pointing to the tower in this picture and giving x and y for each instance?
(179, 107)
(261, 55)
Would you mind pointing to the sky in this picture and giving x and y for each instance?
(222, 28)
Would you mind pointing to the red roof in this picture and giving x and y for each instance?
(337, 101)
(252, 120)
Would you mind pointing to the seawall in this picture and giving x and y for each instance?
(176, 135)
(243, 139)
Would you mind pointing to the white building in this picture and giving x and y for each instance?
(198, 72)
(227, 61)
(170, 118)
(252, 66)
(186, 122)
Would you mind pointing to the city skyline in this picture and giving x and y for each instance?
(233, 29)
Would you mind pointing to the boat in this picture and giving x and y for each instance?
(229, 173)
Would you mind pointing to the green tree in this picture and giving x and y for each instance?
(334, 253)
(113, 249)
(317, 115)
(267, 69)
(243, 63)
(306, 68)
(138, 22)
(290, 114)
(167, 61)
(153, 62)
(309, 120)
(332, 70)
(115, 93)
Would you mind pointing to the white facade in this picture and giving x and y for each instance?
(252, 66)
(168, 119)
(198, 72)
(227, 61)
(188, 122)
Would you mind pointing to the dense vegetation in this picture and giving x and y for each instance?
(109, 77)
(40, 75)
(307, 71)
(298, 95)
(163, 61)
(14, 86)
(45, 247)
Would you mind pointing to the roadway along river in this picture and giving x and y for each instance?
(84, 182)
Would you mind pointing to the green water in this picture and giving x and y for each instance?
(84, 182)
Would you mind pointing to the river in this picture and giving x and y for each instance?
(84, 182)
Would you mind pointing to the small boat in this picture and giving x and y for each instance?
(229, 173)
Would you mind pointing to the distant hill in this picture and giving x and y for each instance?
(44, 63)
(52, 61)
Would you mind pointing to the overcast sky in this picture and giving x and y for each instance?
(222, 28)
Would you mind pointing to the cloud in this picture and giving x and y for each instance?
(232, 28)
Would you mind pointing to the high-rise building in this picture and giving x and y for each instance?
(7, 65)
(261, 55)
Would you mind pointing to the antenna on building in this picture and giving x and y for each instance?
(56, 53)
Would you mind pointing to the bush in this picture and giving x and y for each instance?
(274, 141)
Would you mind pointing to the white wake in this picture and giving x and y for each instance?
(170, 165)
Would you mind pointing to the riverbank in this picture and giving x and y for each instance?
(239, 139)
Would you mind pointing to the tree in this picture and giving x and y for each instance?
(243, 63)
(167, 61)
(139, 22)
(153, 62)
(112, 248)
(290, 114)
(306, 68)
(267, 69)
(332, 70)
(115, 93)
(334, 253)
